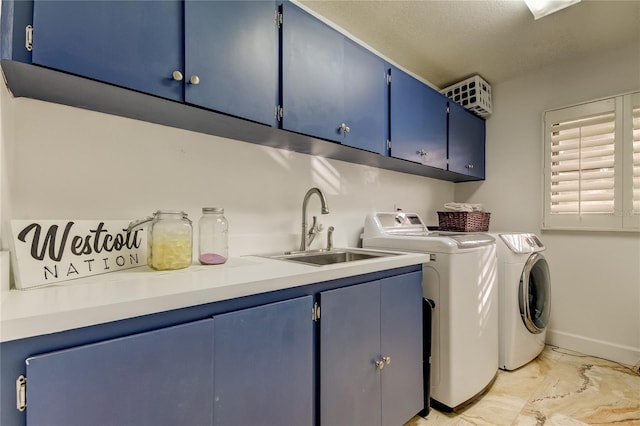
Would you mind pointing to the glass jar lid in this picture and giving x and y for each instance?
(212, 210)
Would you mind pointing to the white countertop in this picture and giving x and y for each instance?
(141, 291)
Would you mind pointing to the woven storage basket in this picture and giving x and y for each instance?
(464, 221)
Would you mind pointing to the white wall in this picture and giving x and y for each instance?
(63, 162)
(595, 275)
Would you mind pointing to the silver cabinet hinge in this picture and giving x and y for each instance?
(388, 77)
(279, 19)
(315, 312)
(279, 113)
(28, 39)
(21, 393)
(388, 144)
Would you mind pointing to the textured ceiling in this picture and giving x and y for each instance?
(446, 41)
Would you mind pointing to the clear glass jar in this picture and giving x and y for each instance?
(169, 241)
(213, 233)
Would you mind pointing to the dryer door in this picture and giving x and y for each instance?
(535, 293)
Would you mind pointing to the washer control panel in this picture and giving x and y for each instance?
(522, 242)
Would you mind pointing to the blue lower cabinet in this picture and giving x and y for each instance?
(349, 349)
(252, 366)
(163, 377)
(371, 352)
(263, 359)
(263, 365)
(401, 345)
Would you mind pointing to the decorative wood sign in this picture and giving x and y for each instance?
(50, 251)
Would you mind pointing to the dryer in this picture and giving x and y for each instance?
(461, 279)
(524, 286)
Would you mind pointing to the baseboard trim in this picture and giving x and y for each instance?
(614, 352)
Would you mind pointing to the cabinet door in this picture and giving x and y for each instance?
(312, 75)
(466, 142)
(163, 377)
(231, 47)
(365, 97)
(418, 121)
(349, 349)
(401, 341)
(133, 44)
(264, 365)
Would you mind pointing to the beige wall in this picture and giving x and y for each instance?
(595, 275)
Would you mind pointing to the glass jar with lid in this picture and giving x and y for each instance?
(169, 240)
(213, 236)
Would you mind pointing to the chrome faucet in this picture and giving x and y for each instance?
(308, 236)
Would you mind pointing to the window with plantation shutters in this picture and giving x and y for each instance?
(631, 198)
(636, 156)
(592, 165)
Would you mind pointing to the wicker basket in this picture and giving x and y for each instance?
(464, 221)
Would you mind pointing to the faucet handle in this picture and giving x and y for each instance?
(315, 226)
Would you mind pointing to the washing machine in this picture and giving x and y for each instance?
(524, 285)
(461, 280)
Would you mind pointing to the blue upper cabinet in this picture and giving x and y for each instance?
(246, 60)
(221, 55)
(466, 142)
(418, 121)
(365, 97)
(332, 88)
(312, 67)
(232, 57)
(133, 44)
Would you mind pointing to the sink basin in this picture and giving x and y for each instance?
(320, 258)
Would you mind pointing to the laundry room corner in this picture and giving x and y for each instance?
(595, 292)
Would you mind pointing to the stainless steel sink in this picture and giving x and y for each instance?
(320, 258)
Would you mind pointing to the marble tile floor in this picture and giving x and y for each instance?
(559, 388)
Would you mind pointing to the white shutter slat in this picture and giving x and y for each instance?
(602, 151)
(582, 155)
(583, 166)
(584, 186)
(584, 208)
(584, 176)
(594, 120)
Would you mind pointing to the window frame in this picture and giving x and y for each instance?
(623, 217)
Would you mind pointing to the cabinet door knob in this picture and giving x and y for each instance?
(194, 79)
(380, 364)
(177, 75)
(386, 359)
(344, 128)
(469, 166)
(422, 153)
